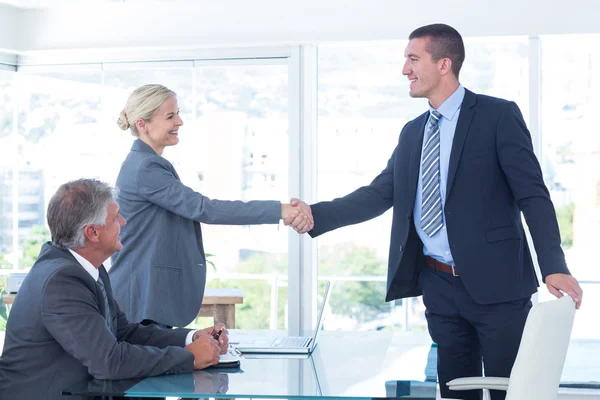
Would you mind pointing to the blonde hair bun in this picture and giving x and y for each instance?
(122, 121)
(141, 104)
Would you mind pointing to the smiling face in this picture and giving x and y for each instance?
(424, 73)
(163, 129)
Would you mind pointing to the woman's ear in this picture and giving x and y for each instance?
(140, 124)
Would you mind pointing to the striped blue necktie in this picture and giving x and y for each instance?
(431, 199)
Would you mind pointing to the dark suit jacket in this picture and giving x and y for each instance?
(493, 176)
(56, 334)
(160, 273)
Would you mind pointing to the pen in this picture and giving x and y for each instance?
(236, 351)
(219, 333)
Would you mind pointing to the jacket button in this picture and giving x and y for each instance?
(400, 248)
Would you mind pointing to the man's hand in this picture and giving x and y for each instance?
(212, 331)
(566, 283)
(205, 350)
(302, 223)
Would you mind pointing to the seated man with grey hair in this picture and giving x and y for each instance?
(65, 325)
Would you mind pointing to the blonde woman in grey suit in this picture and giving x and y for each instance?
(159, 275)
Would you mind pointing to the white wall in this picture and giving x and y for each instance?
(9, 18)
(242, 22)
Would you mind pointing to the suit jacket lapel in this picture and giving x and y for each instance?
(467, 111)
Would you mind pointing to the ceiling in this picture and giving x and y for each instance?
(33, 4)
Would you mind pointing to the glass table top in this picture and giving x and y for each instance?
(358, 365)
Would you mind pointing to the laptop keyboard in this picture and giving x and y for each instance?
(291, 342)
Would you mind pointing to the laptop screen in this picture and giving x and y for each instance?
(320, 315)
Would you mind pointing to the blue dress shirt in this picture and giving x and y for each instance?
(437, 246)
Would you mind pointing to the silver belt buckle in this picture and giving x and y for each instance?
(453, 270)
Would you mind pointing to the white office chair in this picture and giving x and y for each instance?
(541, 356)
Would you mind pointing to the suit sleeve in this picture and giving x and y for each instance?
(363, 204)
(151, 335)
(524, 175)
(157, 184)
(71, 314)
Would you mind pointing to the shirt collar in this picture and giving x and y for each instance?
(93, 271)
(452, 104)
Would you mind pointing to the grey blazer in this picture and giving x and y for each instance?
(56, 334)
(160, 273)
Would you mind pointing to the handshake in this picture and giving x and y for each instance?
(297, 215)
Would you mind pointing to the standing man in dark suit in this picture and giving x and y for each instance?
(65, 325)
(459, 179)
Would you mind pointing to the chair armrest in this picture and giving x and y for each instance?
(478, 382)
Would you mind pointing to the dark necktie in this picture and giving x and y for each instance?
(106, 305)
(431, 200)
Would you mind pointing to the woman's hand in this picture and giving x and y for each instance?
(298, 215)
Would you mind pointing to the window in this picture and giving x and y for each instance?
(67, 130)
(220, 105)
(498, 67)
(571, 156)
(363, 103)
(60, 138)
(240, 138)
(8, 145)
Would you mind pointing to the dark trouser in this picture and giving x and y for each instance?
(467, 332)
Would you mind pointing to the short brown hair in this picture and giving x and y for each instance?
(444, 42)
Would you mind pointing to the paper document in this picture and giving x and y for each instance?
(232, 356)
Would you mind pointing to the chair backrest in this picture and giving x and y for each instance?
(542, 351)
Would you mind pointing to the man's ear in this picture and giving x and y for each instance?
(91, 233)
(445, 66)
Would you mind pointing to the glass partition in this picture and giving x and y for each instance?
(239, 151)
(571, 160)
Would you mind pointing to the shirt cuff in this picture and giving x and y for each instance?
(189, 338)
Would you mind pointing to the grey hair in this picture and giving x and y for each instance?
(142, 103)
(75, 205)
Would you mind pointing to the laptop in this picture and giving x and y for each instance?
(286, 344)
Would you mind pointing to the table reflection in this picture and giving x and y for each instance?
(357, 365)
